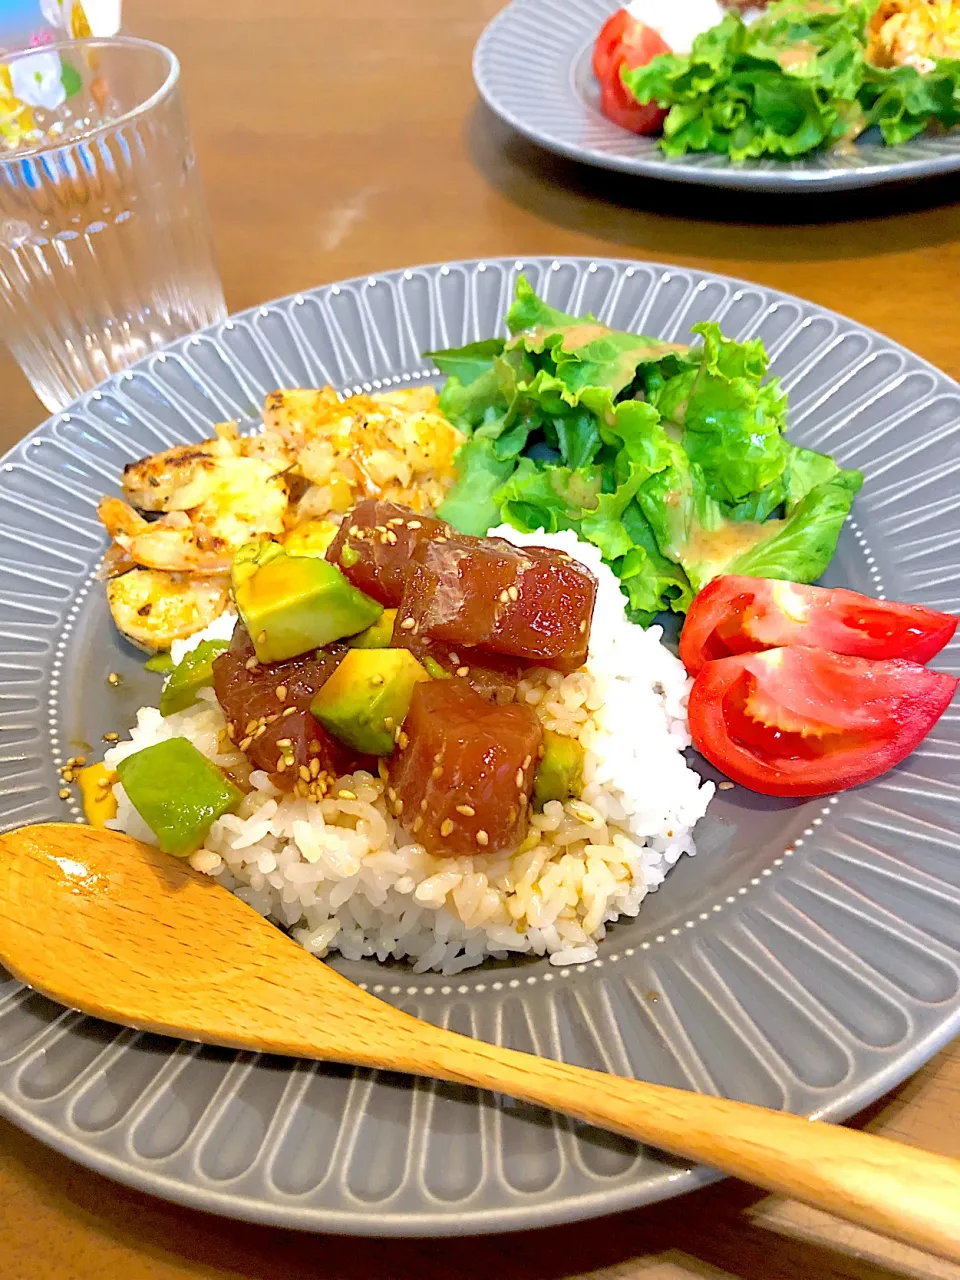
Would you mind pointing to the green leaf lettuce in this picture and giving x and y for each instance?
(671, 460)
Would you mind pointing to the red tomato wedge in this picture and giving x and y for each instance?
(607, 50)
(746, 615)
(626, 42)
(806, 722)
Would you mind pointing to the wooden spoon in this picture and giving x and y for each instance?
(121, 931)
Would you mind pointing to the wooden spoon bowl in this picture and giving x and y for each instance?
(119, 930)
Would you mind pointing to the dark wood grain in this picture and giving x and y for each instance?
(338, 138)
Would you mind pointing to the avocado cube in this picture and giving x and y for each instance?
(193, 673)
(178, 793)
(160, 662)
(291, 604)
(560, 771)
(378, 636)
(365, 700)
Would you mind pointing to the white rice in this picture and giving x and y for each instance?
(341, 875)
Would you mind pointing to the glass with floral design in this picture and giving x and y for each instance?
(105, 249)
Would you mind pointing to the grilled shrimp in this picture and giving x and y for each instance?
(316, 457)
(412, 399)
(152, 608)
(171, 543)
(239, 499)
(187, 477)
(913, 34)
(177, 479)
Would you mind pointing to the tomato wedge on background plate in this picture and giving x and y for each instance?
(746, 615)
(624, 41)
(806, 722)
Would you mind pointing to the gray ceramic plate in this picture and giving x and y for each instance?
(532, 67)
(807, 958)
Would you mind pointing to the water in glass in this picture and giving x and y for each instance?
(105, 249)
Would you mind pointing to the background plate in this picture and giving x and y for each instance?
(807, 958)
(532, 67)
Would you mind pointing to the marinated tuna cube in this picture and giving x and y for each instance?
(246, 686)
(493, 675)
(302, 756)
(267, 706)
(374, 544)
(533, 603)
(461, 778)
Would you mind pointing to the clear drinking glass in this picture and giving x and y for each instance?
(105, 249)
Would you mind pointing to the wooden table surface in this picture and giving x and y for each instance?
(339, 137)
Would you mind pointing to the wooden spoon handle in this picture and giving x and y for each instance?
(900, 1191)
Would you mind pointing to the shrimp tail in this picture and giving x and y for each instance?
(119, 518)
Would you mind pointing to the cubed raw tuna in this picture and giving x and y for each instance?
(461, 777)
(267, 706)
(374, 544)
(493, 675)
(532, 603)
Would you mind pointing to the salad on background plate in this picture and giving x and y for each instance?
(789, 96)
(792, 78)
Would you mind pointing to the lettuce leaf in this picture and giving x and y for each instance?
(733, 421)
(528, 311)
(692, 529)
(468, 363)
(799, 547)
(651, 582)
(471, 395)
(553, 381)
(806, 470)
(578, 437)
(547, 497)
(470, 505)
(471, 406)
(671, 460)
(689, 525)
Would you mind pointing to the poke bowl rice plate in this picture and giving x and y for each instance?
(460, 621)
